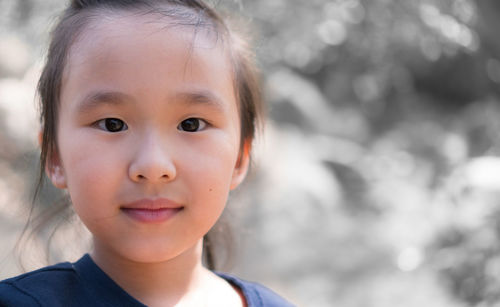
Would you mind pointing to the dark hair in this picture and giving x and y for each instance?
(196, 13)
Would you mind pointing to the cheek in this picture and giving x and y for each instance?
(215, 163)
(83, 167)
(210, 169)
(89, 171)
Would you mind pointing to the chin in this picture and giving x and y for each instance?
(156, 253)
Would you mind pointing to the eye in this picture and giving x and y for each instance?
(192, 125)
(112, 124)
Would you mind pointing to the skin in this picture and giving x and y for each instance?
(151, 78)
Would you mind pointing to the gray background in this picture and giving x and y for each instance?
(377, 180)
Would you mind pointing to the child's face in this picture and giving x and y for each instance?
(172, 133)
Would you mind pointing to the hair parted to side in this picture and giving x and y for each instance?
(195, 13)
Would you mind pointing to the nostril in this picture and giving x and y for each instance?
(142, 177)
(152, 173)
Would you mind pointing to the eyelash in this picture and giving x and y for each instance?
(195, 124)
(199, 124)
(104, 124)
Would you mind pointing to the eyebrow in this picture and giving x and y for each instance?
(100, 98)
(190, 98)
(201, 97)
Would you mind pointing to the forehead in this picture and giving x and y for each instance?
(125, 35)
(141, 53)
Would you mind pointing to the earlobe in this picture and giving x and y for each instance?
(242, 165)
(40, 137)
(57, 177)
(55, 171)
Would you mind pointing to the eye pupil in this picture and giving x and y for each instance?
(190, 124)
(114, 124)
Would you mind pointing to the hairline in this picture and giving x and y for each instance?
(95, 15)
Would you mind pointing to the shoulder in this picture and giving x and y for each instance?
(42, 285)
(10, 295)
(256, 294)
(65, 284)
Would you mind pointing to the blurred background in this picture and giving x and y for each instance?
(377, 180)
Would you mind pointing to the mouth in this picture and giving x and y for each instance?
(151, 210)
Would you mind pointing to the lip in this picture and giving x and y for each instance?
(151, 210)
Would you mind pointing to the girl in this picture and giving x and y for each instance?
(148, 111)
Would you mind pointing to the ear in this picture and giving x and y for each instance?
(40, 136)
(55, 171)
(242, 165)
(54, 168)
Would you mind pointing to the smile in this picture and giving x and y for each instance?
(151, 211)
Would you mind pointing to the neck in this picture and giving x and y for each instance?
(168, 281)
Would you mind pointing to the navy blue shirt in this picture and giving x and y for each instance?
(83, 283)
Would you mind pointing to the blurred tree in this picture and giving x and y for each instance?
(375, 106)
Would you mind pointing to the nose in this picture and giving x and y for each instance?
(152, 162)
